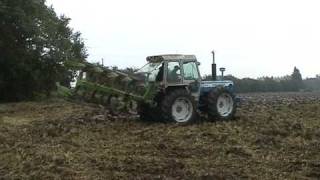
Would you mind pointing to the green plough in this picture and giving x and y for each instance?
(119, 91)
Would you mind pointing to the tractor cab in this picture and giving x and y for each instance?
(174, 70)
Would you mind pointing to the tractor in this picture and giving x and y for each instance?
(168, 88)
(181, 93)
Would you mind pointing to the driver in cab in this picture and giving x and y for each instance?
(174, 74)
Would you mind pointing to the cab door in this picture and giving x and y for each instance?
(191, 77)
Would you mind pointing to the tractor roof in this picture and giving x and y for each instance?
(171, 57)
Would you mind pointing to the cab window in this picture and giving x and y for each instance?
(190, 71)
(174, 72)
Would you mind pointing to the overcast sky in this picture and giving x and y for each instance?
(252, 38)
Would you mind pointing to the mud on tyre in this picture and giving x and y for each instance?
(148, 113)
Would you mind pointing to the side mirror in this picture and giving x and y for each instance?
(198, 63)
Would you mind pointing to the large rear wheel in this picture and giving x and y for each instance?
(179, 107)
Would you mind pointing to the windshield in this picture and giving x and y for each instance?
(151, 71)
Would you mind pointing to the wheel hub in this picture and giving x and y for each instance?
(225, 104)
(182, 110)
(221, 105)
(179, 109)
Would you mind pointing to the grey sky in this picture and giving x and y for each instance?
(252, 38)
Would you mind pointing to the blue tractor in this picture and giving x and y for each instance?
(181, 94)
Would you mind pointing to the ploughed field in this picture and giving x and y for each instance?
(274, 136)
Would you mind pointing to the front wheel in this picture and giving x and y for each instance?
(221, 104)
(179, 107)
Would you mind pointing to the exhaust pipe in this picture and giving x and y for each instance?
(214, 68)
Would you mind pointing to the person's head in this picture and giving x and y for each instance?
(176, 68)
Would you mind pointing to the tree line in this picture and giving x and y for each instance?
(288, 83)
(35, 43)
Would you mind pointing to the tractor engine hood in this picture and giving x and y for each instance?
(207, 86)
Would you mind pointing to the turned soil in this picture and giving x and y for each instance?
(274, 136)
